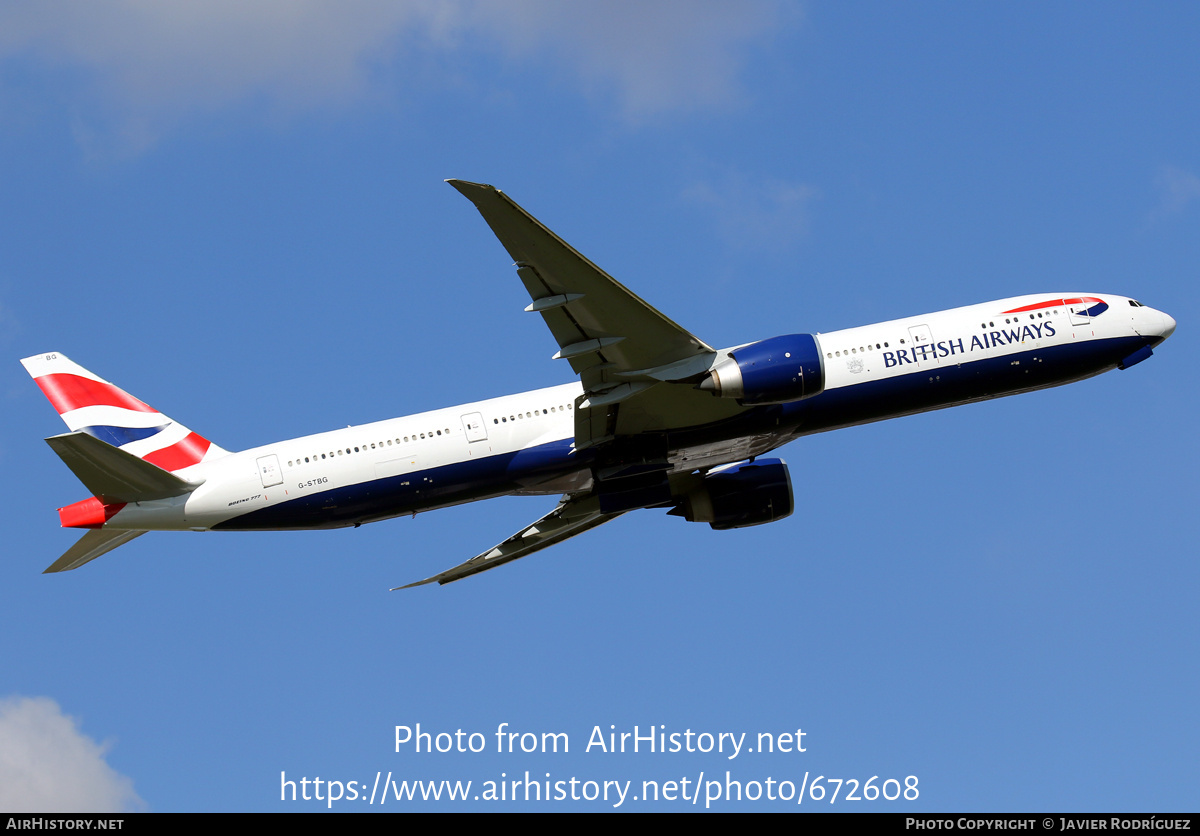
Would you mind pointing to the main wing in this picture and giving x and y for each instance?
(574, 515)
(638, 367)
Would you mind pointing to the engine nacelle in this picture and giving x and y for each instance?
(778, 370)
(739, 495)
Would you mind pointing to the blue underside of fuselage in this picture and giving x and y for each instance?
(453, 484)
(927, 387)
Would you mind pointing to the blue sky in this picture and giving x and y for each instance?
(237, 214)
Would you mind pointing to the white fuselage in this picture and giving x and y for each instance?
(523, 443)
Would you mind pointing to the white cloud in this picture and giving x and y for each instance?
(148, 64)
(47, 765)
(1177, 188)
(210, 52)
(656, 56)
(755, 214)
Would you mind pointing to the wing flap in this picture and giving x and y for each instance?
(572, 516)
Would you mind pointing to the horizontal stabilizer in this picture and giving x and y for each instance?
(112, 475)
(89, 547)
(572, 516)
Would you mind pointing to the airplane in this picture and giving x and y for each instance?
(657, 418)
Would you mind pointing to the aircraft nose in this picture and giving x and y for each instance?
(1168, 325)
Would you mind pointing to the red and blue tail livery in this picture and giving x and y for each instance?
(655, 418)
(92, 405)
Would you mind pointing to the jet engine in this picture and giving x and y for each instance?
(739, 495)
(778, 370)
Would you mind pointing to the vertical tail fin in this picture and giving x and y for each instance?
(90, 404)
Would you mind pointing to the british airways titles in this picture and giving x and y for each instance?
(949, 348)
